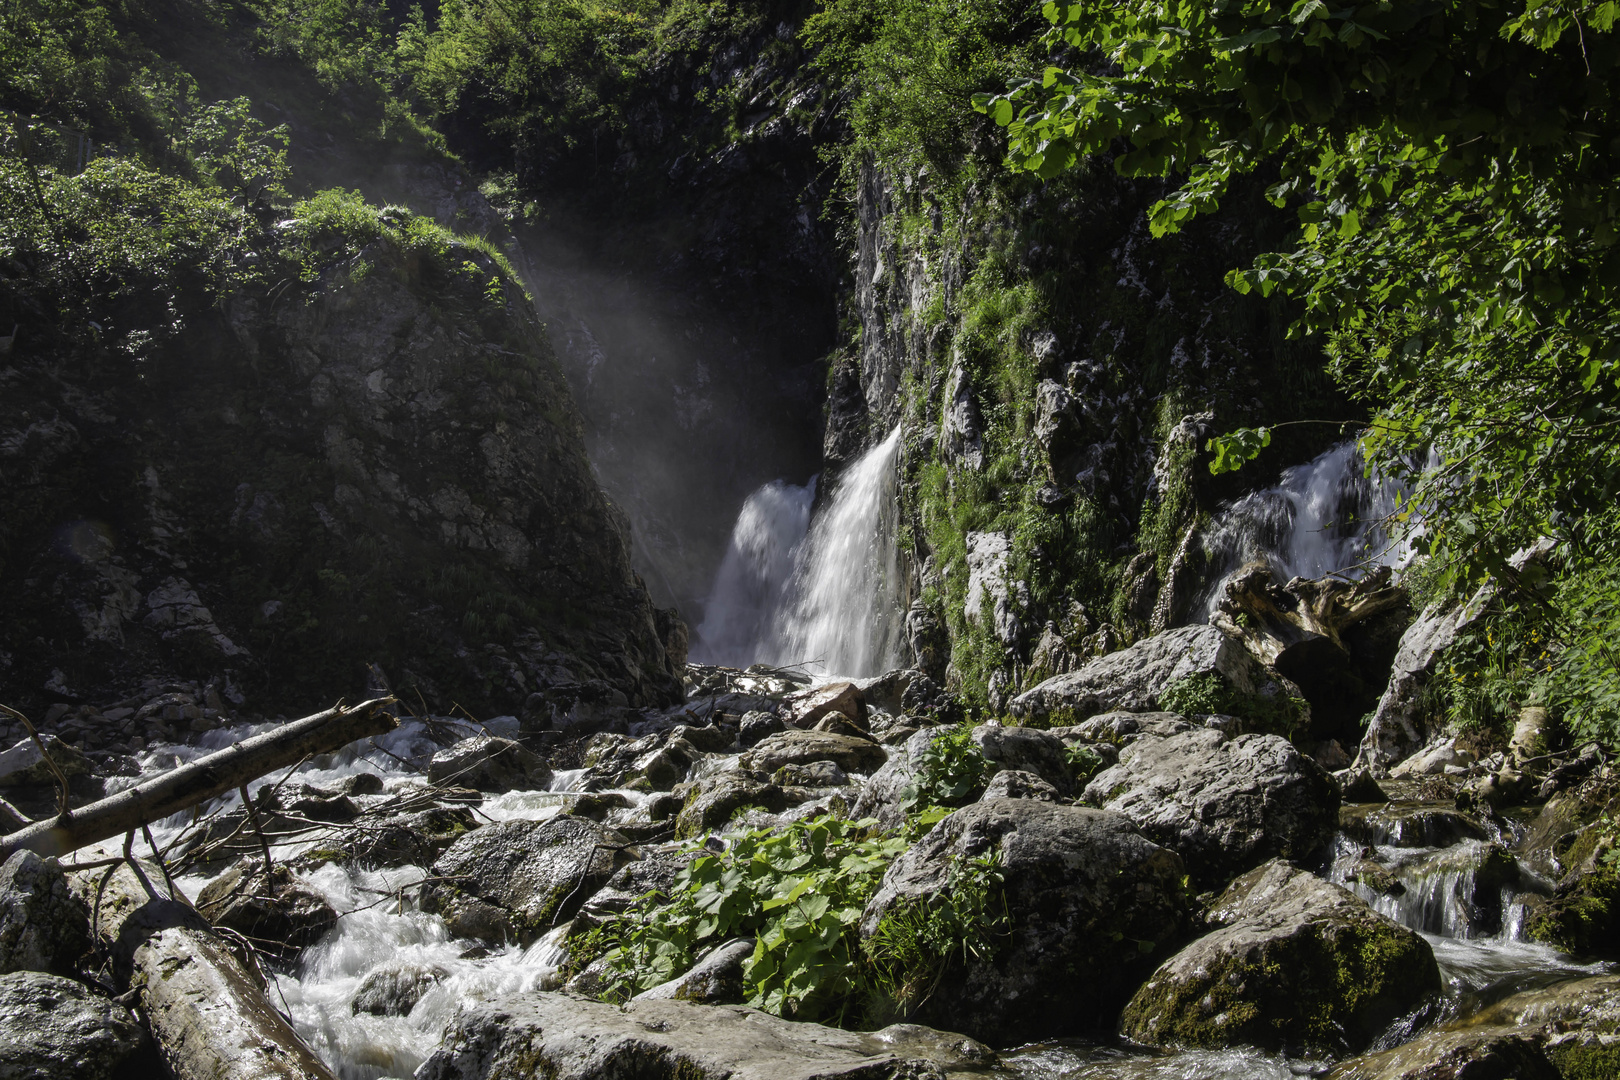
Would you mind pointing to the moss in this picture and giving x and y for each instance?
(1586, 1061)
(1317, 992)
(1209, 692)
(1582, 917)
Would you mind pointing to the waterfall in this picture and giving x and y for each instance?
(754, 575)
(845, 615)
(1326, 516)
(827, 597)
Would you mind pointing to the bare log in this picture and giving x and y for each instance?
(210, 1017)
(203, 779)
(1274, 619)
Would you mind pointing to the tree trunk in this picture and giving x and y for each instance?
(210, 1018)
(203, 779)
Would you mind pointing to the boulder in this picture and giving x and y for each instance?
(804, 708)
(803, 747)
(53, 1028)
(654, 872)
(1134, 679)
(514, 880)
(1028, 750)
(756, 726)
(887, 692)
(716, 979)
(1578, 1018)
(1298, 965)
(1018, 784)
(44, 925)
(1409, 824)
(394, 988)
(1224, 804)
(282, 916)
(410, 839)
(714, 800)
(817, 774)
(883, 795)
(1446, 1054)
(837, 723)
(564, 1037)
(1093, 901)
(488, 763)
(24, 766)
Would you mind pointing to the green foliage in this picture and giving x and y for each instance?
(916, 941)
(241, 155)
(1451, 167)
(952, 772)
(798, 892)
(1208, 692)
(1084, 763)
(1236, 448)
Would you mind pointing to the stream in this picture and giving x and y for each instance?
(788, 590)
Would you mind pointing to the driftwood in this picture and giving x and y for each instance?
(210, 1017)
(1274, 619)
(203, 779)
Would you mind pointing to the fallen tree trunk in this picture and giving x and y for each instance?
(203, 779)
(210, 1018)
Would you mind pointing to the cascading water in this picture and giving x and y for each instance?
(834, 604)
(755, 574)
(1326, 516)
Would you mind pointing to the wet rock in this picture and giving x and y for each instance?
(883, 795)
(44, 926)
(1358, 786)
(716, 979)
(655, 872)
(1409, 824)
(364, 783)
(756, 726)
(709, 739)
(564, 1037)
(714, 800)
(488, 763)
(1093, 901)
(1134, 678)
(24, 766)
(1018, 784)
(1298, 964)
(53, 1028)
(887, 692)
(836, 723)
(803, 709)
(662, 769)
(1224, 804)
(817, 774)
(1583, 915)
(394, 988)
(514, 880)
(803, 747)
(1488, 1054)
(1025, 749)
(282, 916)
(597, 805)
(411, 839)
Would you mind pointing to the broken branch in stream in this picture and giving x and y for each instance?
(203, 779)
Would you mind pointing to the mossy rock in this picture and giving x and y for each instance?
(1301, 966)
(1583, 917)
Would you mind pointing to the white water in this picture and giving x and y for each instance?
(754, 576)
(836, 605)
(1325, 517)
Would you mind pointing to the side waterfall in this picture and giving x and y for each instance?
(835, 606)
(1326, 516)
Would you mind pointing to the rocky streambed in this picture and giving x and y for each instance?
(1172, 894)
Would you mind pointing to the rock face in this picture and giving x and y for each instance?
(1300, 965)
(1134, 678)
(394, 457)
(515, 880)
(563, 1037)
(1225, 804)
(43, 925)
(1028, 750)
(53, 1028)
(803, 747)
(1093, 900)
(488, 763)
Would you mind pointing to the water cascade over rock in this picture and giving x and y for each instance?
(830, 597)
(1324, 517)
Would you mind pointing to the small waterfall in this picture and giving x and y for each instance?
(1325, 517)
(844, 614)
(754, 576)
(827, 597)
